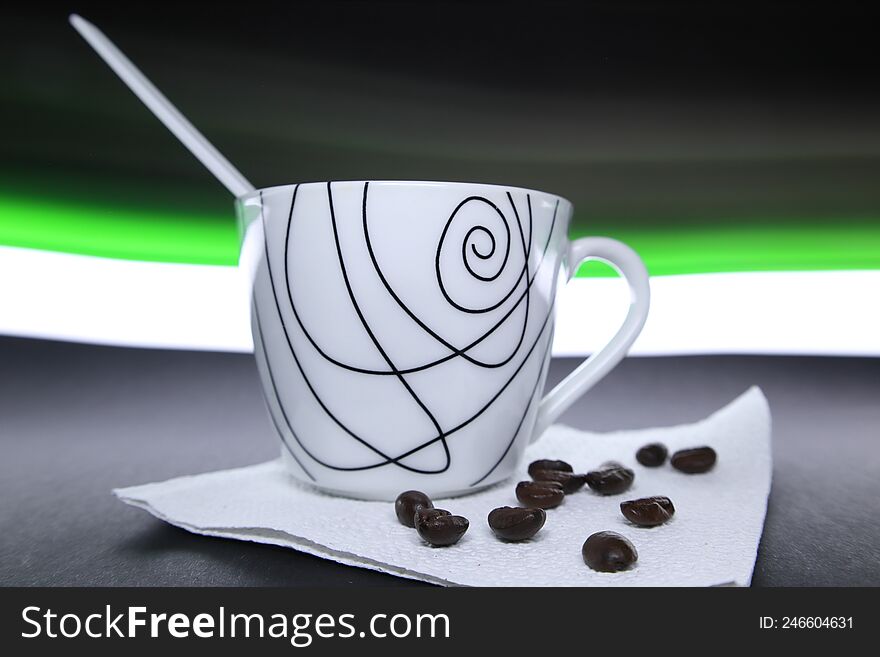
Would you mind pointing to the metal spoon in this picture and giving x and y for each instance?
(170, 116)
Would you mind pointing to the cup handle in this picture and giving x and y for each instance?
(630, 266)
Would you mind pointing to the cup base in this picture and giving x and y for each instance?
(386, 498)
(379, 496)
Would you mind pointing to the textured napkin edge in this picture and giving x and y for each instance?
(767, 416)
(280, 538)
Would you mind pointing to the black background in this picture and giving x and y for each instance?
(638, 112)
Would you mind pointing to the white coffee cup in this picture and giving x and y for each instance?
(402, 330)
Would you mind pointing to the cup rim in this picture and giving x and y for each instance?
(456, 183)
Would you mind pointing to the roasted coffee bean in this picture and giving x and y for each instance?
(513, 523)
(440, 528)
(653, 455)
(547, 464)
(540, 494)
(695, 460)
(571, 483)
(648, 511)
(408, 503)
(611, 479)
(609, 552)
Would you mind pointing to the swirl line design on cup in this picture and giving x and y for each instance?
(454, 352)
(463, 351)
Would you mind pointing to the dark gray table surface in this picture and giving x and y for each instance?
(78, 420)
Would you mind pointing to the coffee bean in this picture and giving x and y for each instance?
(611, 479)
(653, 455)
(515, 523)
(540, 494)
(571, 483)
(609, 552)
(546, 464)
(408, 503)
(648, 511)
(440, 528)
(695, 460)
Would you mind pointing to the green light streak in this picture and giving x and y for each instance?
(159, 236)
(798, 247)
(128, 234)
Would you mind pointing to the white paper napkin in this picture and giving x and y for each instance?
(712, 539)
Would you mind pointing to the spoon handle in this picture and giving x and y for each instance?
(169, 115)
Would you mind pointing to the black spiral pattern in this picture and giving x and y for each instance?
(485, 258)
